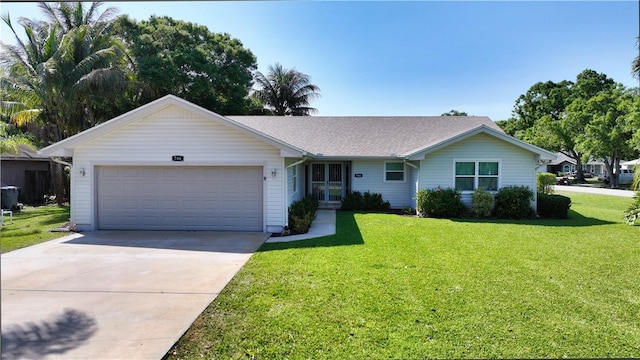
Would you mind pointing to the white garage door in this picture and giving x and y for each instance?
(180, 198)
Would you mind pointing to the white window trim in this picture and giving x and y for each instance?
(476, 176)
(294, 178)
(384, 172)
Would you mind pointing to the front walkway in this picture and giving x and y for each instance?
(323, 225)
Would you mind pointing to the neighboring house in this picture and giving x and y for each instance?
(28, 171)
(173, 165)
(565, 164)
(631, 164)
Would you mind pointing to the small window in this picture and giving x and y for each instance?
(471, 175)
(393, 171)
(294, 178)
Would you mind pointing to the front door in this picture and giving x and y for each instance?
(326, 181)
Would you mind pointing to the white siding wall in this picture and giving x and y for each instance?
(397, 193)
(415, 182)
(152, 140)
(517, 166)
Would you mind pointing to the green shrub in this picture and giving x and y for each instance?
(553, 206)
(632, 215)
(301, 214)
(364, 202)
(514, 202)
(439, 203)
(481, 203)
(545, 182)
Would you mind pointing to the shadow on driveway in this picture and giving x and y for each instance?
(65, 332)
(210, 241)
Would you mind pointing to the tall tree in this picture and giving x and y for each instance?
(286, 91)
(635, 64)
(185, 59)
(541, 116)
(55, 72)
(607, 134)
(455, 113)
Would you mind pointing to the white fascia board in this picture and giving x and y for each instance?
(541, 154)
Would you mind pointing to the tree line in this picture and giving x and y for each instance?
(593, 117)
(81, 66)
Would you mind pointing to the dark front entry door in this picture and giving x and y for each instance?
(327, 181)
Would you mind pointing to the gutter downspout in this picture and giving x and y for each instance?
(62, 162)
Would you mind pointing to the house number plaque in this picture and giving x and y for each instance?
(177, 158)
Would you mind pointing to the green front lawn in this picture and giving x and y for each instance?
(32, 226)
(388, 286)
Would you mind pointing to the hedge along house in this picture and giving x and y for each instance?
(172, 165)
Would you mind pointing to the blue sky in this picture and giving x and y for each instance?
(417, 57)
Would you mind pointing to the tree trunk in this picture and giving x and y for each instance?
(57, 173)
(578, 158)
(615, 178)
(579, 172)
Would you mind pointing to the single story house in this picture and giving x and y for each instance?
(565, 164)
(631, 164)
(172, 165)
(28, 171)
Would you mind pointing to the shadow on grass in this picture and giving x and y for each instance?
(347, 233)
(31, 340)
(56, 219)
(575, 220)
(21, 232)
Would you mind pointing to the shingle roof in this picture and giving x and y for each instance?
(373, 136)
(24, 153)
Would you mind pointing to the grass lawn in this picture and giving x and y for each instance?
(31, 226)
(388, 286)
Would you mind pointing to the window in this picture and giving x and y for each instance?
(471, 175)
(393, 171)
(294, 178)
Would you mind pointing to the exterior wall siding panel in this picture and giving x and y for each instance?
(397, 193)
(516, 165)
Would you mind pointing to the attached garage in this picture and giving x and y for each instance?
(172, 165)
(180, 198)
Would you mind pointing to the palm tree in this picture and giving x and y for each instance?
(635, 65)
(69, 16)
(58, 71)
(286, 91)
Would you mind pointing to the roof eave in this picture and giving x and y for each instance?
(65, 147)
(541, 154)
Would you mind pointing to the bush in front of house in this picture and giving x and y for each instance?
(481, 203)
(439, 203)
(553, 206)
(545, 182)
(632, 215)
(514, 202)
(357, 201)
(301, 214)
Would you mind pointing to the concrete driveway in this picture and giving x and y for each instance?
(114, 294)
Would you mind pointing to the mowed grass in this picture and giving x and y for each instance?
(32, 226)
(388, 286)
